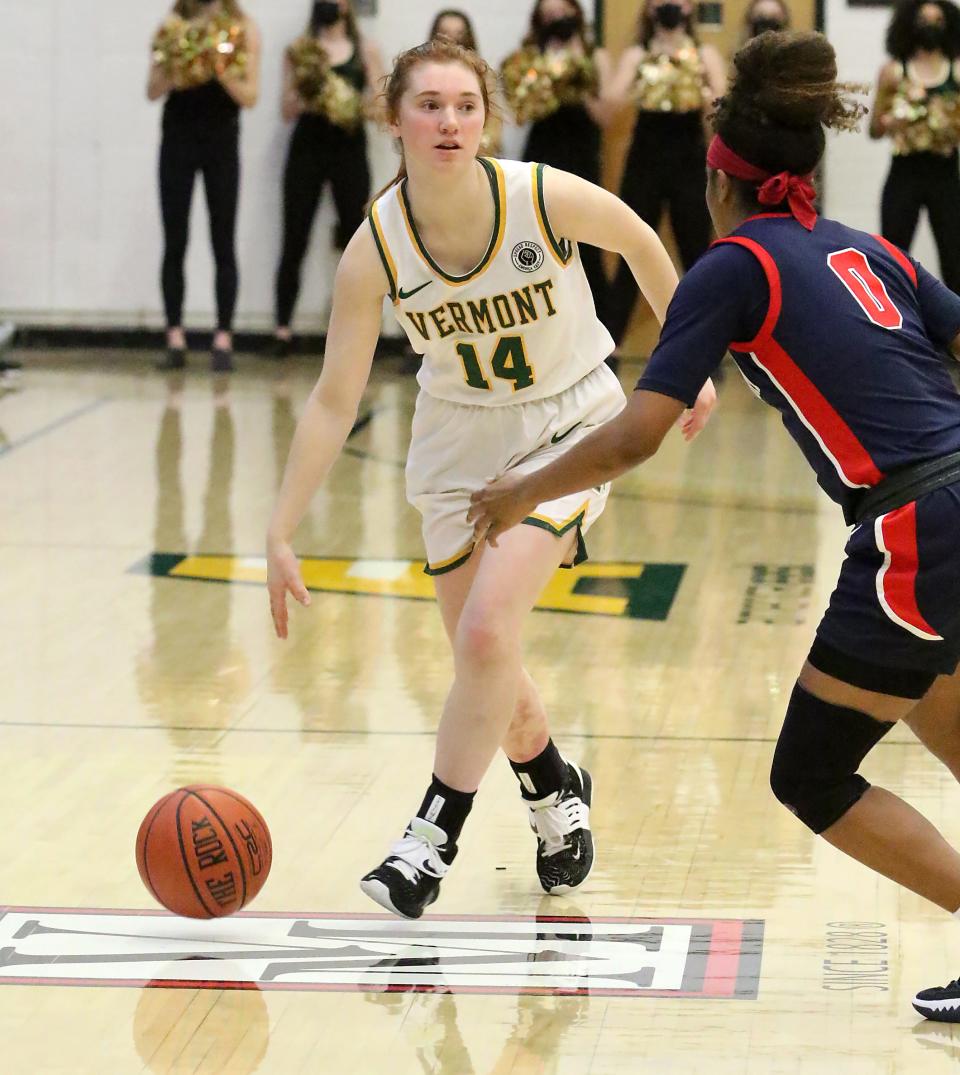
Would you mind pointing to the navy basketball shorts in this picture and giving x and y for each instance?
(897, 600)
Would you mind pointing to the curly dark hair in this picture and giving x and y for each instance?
(901, 33)
(783, 95)
(470, 41)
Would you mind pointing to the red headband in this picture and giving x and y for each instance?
(798, 191)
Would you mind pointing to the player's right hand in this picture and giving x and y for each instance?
(283, 576)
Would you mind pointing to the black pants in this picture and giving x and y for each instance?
(665, 168)
(570, 140)
(185, 151)
(925, 181)
(320, 152)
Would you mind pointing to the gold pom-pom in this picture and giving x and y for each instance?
(321, 89)
(192, 53)
(924, 122)
(536, 84)
(674, 83)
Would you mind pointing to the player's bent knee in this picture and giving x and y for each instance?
(483, 639)
(821, 746)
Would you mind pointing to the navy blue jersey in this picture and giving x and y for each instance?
(837, 329)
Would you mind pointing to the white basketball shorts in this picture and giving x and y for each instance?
(455, 448)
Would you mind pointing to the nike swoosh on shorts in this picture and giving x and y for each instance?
(557, 437)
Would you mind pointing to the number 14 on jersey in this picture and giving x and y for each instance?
(508, 362)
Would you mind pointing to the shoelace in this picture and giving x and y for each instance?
(413, 855)
(555, 823)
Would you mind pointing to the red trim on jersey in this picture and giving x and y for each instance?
(772, 274)
(836, 437)
(899, 579)
(818, 414)
(765, 216)
(900, 257)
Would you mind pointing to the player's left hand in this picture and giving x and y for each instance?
(694, 419)
(500, 505)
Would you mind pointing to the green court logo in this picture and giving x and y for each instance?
(633, 590)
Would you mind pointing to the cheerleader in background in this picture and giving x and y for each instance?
(917, 106)
(557, 81)
(331, 75)
(206, 62)
(763, 15)
(671, 79)
(455, 26)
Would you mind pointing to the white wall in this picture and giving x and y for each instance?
(79, 217)
(857, 166)
(78, 202)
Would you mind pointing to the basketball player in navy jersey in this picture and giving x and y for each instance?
(840, 331)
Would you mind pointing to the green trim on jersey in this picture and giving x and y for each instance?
(498, 190)
(382, 251)
(562, 247)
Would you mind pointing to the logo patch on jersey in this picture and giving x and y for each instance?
(527, 256)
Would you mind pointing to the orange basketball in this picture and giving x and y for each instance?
(203, 852)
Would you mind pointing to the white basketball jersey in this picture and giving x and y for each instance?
(520, 326)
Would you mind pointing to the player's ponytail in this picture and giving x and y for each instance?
(438, 50)
(783, 95)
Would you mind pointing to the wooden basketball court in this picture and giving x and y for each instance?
(715, 934)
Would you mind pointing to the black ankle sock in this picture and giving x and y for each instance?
(542, 775)
(446, 808)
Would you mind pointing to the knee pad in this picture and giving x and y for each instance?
(819, 751)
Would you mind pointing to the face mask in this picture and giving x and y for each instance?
(559, 29)
(325, 13)
(929, 35)
(669, 16)
(763, 23)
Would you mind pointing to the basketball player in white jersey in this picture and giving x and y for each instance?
(480, 261)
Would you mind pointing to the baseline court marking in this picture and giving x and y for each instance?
(625, 957)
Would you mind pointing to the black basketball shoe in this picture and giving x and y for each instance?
(940, 1005)
(564, 840)
(408, 879)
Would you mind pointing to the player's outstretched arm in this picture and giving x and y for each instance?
(586, 213)
(582, 211)
(330, 411)
(616, 447)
